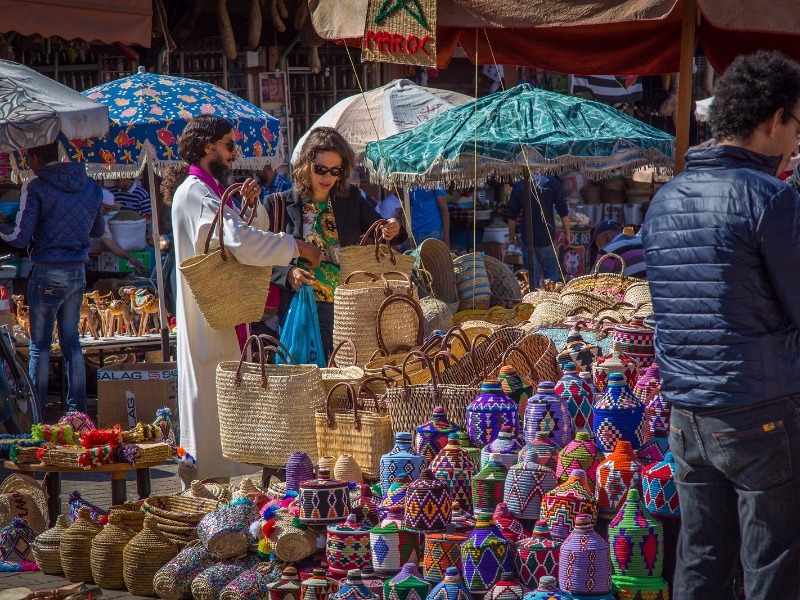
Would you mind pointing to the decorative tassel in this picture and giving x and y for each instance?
(291, 494)
(269, 510)
(255, 530)
(294, 510)
(286, 502)
(264, 549)
(268, 527)
(57, 434)
(296, 523)
(101, 437)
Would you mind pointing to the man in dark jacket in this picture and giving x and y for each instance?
(59, 211)
(722, 245)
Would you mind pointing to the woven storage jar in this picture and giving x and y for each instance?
(46, 547)
(143, 556)
(76, 546)
(130, 514)
(106, 554)
(442, 551)
(347, 469)
(173, 581)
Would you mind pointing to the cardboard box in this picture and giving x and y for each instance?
(133, 392)
(111, 263)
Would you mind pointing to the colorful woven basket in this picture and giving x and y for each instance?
(225, 532)
(584, 564)
(393, 546)
(208, 585)
(354, 588)
(430, 438)
(408, 584)
(508, 588)
(253, 583)
(636, 541)
(489, 485)
(541, 449)
(546, 411)
(402, 459)
(505, 444)
(451, 587)
(323, 500)
(485, 556)
(429, 504)
(565, 502)
(659, 490)
(79, 421)
(618, 473)
(618, 415)
(578, 395)
(316, 587)
(173, 581)
(537, 556)
(581, 453)
(525, 486)
(454, 466)
(299, 468)
(615, 362)
(654, 449)
(348, 546)
(442, 552)
(510, 527)
(288, 587)
(489, 412)
(548, 590)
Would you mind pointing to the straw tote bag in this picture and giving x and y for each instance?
(360, 306)
(266, 412)
(226, 291)
(351, 426)
(411, 405)
(373, 256)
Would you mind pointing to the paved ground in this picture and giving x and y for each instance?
(96, 488)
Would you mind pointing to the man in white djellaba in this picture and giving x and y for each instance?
(194, 189)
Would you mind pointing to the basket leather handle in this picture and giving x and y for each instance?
(388, 381)
(217, 220)
(601, 259)
(425, 360)
(528, 360)
(373, 231)
(276, 345)
(480, 337)
(394, 298)
(387, 287)
(237, 381)
(348, 342)
(367, 273)
(444, 356)
(352, 395)
(455, 333)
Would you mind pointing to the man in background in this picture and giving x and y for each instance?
(722, 245)
(59, 211)
(547, 197)
(430, 217)
(108, 239)
(272, 182)
(611, 239)
(131, 196)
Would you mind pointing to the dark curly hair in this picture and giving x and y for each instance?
(751, 90)
(199, 131)
(323, 139)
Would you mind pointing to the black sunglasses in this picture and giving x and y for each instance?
(321, 170)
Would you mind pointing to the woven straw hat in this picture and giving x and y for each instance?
(505, 287)
(22, 496)
(435, 260)
(436, 314)
(208, 489)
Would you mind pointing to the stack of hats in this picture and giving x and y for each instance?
(636, 539)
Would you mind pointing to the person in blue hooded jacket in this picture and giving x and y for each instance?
(60, 210)
(722, 245)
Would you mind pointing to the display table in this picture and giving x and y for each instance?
(119, 476)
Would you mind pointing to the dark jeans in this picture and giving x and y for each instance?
(545, 264)
(55, 296)
(738, 478)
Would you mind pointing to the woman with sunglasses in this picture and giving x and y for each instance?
(324, 209)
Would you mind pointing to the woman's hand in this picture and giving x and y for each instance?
(251, 193)
(297, 277)
(391, 229)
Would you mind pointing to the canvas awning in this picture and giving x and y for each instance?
(107, 21)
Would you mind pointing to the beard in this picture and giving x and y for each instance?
(220, 172)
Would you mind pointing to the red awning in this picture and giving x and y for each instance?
(107, 21)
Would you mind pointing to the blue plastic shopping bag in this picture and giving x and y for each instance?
(300, 333)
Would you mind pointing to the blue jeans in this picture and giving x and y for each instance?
(545, 264)
(738, 479)
(420, 236)
(55, 295)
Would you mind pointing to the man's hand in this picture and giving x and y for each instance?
(391, 229)
(136, 262)
(297, 277)
(251, 193)
(309, 252)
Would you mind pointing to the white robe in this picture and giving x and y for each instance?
(201, 348)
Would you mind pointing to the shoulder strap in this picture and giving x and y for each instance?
(278, 222)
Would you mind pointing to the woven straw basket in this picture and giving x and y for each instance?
(227, 292)
(347, 427)
(208, 585)
(505, 287)
(143, 556)
(130, 514)
(638, 293)
(472, 281)
(289, 542)
(373, 256)
(177, 516)
(277, 404)
(389, 301)
(106, 553)
(333, 374)
(609, 284)
(75, 457)
(46, 547)
(76, 547)
(22, 496)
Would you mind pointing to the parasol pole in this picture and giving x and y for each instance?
(162, 307)
(688, 40)
(528, 231)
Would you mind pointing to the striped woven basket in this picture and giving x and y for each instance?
(472, 282)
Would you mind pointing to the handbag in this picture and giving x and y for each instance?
(350, 426)
(276, 225)
(227, 292)
(378, 259)
(357, 305)
(266, 412)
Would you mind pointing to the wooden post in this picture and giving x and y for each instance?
(688, 40)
